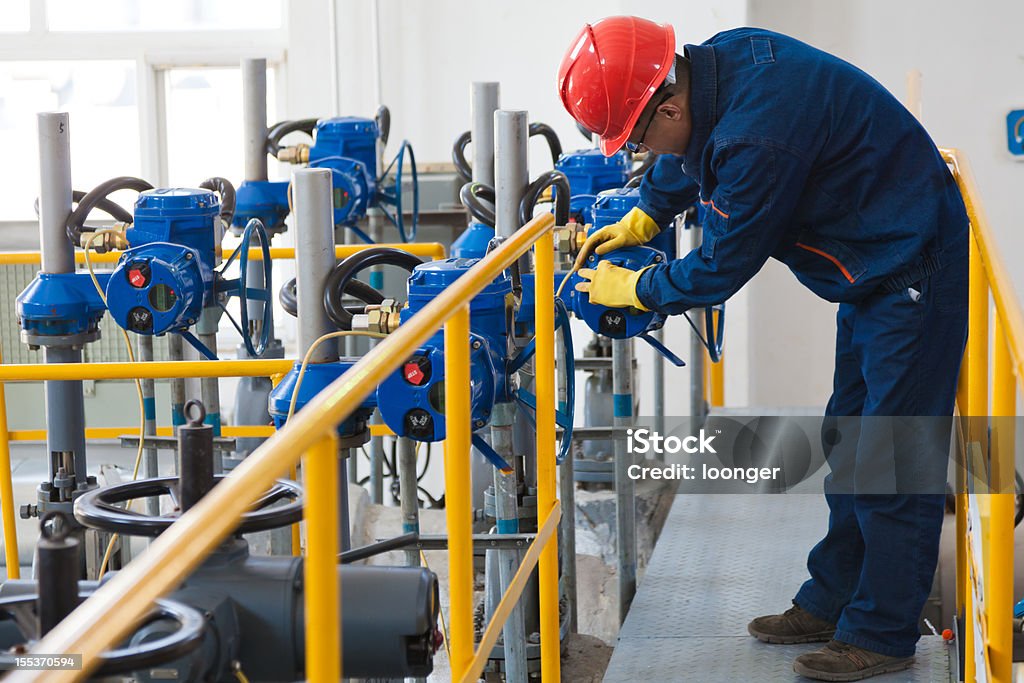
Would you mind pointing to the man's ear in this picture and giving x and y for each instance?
(670, 110)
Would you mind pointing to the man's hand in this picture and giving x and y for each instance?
(611, 285)
(635, 228)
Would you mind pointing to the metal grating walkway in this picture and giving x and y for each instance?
(721, 560)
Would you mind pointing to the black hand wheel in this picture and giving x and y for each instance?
(105, 508)
(183, 640)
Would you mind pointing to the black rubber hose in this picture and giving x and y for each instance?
(226, 190)
(554, 179)
(108, 206)
(383, 123)
(355, 288)
(279, 130)
(76, 220)
(473, 196)
(345, 272)
(549, 134)
(462, 166)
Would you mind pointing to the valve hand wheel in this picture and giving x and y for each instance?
(105, 508)
(262, 293)
(564, 415)
(392, 194)
(184, 639)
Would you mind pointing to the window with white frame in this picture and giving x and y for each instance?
(152, 88)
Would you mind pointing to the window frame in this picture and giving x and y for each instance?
(154, 54)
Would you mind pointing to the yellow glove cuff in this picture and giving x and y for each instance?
(640, 225)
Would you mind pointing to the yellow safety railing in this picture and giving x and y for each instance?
(432, 250)
(985, 471)
(113, 611)
(152, 370)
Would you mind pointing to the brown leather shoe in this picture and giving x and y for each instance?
(795, 625)
(839, 661)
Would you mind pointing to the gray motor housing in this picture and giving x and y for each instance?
(254, 611)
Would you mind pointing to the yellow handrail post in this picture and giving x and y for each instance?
(7, 491)
(544, 324)
(999, 581)
(458, 502)
(322, 592)
(717, 382)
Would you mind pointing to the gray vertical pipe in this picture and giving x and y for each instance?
(58, 254)
(659, 387)
(625, 502)
(408, 494)
(698, 406)
(512, 174)
(254, 112)
(150, 463)
(314, 258)
(65, 404)
(176, 351)
(567, 494)
(485, 101)
(506, 511)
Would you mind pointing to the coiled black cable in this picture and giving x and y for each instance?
(345, 271)
(383, 120)
(108, 206)
(473, 196)
(76, 220)
(354, 288)
(553, 179)
(465, 170)
(279, 130)
(549, 134)
(226, 190)
(585, 132)
(462, 166)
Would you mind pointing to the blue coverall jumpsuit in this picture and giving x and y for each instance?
(798, 155)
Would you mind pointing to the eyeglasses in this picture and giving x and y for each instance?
(636, 147)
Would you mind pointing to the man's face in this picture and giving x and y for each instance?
(663, 126)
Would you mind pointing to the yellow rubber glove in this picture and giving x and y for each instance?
(611, 285)
(635, 228)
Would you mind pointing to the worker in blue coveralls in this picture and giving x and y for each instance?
(799, 156)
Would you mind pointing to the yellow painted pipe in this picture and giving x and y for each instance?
(129, 594)
(969, 620)
(1003, 293)
(7, 491)
(320, 569)
(35, 372)
(717, 382)
(977, 350)
(233, 431)
(544, 362)
(545, 537)
(999, 582)
(457, 495)
(432, 250)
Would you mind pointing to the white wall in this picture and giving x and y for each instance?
(972, 66)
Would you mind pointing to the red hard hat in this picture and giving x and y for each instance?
(610, 72)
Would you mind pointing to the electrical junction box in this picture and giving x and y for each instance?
(1015, 133)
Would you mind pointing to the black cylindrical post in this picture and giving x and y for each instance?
(58, 568)
(195, 456)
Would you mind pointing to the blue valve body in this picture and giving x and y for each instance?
(60, 305)
(166, 278)
(316, 378)
(590, 172)
(618, 323)
(411, 400)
